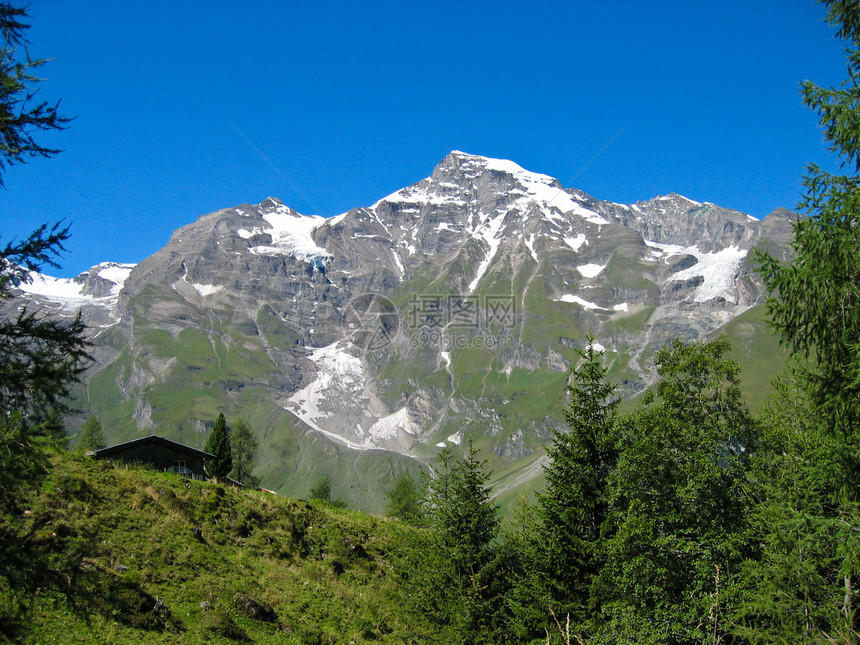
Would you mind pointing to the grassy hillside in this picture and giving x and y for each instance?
(153, 557)
(758, 352)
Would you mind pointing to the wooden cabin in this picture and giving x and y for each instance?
(163, 454)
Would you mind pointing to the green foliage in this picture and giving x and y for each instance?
(467, 587)
(55, 429)
(322, 489)
(814, 302)
(40, 358)
(20, 116)
(795, 587)
(91, 437)
(802, 587)
(404, 499)
(573, 509)
(23, 461)
(678, 501)
(218, 444)
(244, 445)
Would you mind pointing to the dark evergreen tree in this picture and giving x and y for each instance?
(55, 429)
(91, 437)
(404, 499)
(244, 445)
(811, 491)
(795, 588)
(572, 510)
(814, 301)
(218, 444)
(322, 489)
(468, 589)
(20, 115)
(40, 358)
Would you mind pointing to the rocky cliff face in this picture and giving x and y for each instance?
(452, 307)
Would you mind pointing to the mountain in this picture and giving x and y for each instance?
(357, 345)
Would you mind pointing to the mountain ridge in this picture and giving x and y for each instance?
(452, 307)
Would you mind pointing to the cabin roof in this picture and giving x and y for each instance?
(153, 438)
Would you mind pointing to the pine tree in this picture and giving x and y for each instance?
(218, 444)
(40, 358)
(794, 588)
(404, 499)
(814, 305)
(55, 429)
(20, 116)
(814, 301)
(322, 489)
(91, 437)
(467, 589)
(244, 445)
(573, 508)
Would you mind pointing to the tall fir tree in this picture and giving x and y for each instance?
(794, 588)
(404, 499)
(814, 305)
(20, 115)
(244, 449)
(218, 444)
(41, 358)
(572, 510)
(91, 437)
(322, 489)
(467, 588)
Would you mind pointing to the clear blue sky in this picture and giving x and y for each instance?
(185, 107)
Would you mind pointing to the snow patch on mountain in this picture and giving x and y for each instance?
(69, 292)
(576, 242)
(339, 374)
(585, 304)
(590, 270)
(399, 264)
(455, 438)
(530, 245)
(489, 233)
(597, 348)
(291, 233)
(389, 427)
(207, 289)
(420, 195)
(246, 234)
(543, 189)
(718, 269)
(116, 273)
(60, 290)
